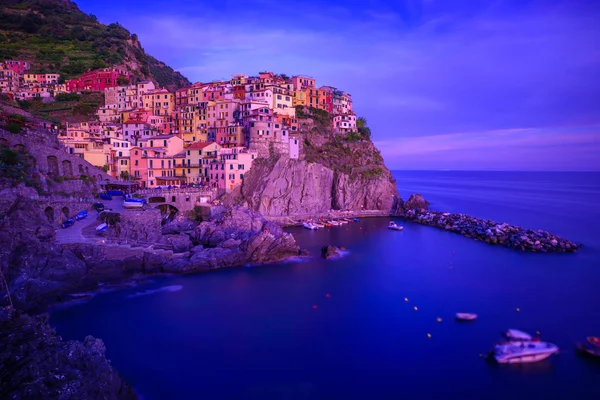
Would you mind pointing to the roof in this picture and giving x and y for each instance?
(180, 154)
(157, 137)
(199, 145)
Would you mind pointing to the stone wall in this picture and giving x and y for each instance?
(182, 199)
(142, 226)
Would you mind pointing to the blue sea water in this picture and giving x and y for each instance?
(253, 333)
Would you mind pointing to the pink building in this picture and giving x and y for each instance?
(18, 66)
(228, 169)
(344, 123)
(96, 80)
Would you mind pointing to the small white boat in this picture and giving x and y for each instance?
(101, 227)
(132, 204)
(524, 352)
(516, 335)
(317, 224)
(466, 316)
(334, 222)
(395, 226)
(309, 225)
(342, 221)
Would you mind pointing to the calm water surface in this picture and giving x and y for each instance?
(252, 333)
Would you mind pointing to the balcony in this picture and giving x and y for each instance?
(188, 165)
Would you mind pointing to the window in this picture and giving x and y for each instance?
(230, 166)
(242, 176)
(151, 166)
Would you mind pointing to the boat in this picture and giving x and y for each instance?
(394, 226)
(81, 215)
(342, 221)
(466, 316)
(309, 225)
(67, 223)
(334, 222)
(101, 227)
(524, 352)
(324, 222)
(318, 224)
(594, 341)
(355, 219)
(515, 335)
(105, 196)
(99, 207)
(589, 349)
(132, 204)
(115, 193)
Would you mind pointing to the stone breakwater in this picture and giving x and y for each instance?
(493, 233)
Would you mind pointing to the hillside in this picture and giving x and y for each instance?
(55, 36)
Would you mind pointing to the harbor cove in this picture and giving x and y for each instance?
(254, 332)
(299, 200)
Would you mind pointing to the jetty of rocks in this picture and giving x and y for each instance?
(491, 232)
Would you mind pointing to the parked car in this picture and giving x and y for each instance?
(105, 196)
(99, 207)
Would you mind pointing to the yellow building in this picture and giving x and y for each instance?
(299, 98)
(159, 102)
(191, 162)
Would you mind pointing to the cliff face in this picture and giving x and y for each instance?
(334, 172)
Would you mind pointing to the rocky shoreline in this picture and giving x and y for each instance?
(493, 233)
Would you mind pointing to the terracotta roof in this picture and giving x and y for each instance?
(199, 145)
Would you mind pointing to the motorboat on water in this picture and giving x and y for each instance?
(466, 316)
(342, 221)
(589, 349)
(133, 203)
(325, 223)
(524, 352)
(333, 222)
(101, 227)
(355, 219)
(310, 225)
(515, 335)
(594, 341)
(81, 215)
(394, 226)
(317, 224)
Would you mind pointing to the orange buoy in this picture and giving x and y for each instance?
(439, 319)
(327, 295)
(416, 309)
(315, 307)
(406, 299)
(518, 309)
(429, 336)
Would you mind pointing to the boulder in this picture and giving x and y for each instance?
(330, 251)
(416, 202)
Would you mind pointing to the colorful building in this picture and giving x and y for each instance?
(97, 80)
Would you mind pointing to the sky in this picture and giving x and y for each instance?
(443, 84)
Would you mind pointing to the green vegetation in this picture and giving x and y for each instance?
(363, 129)
(67, 97)
(67, 107)
(55, 36)
(17, 166)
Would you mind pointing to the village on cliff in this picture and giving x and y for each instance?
(205, 135)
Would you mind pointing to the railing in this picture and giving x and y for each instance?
(154, 192)
(188, 165)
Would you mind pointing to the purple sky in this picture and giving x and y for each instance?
(503, 85)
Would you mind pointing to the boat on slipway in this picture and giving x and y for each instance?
(81, 215)
(392, 225)
(101, 228)
(310, 225)
(523, 352)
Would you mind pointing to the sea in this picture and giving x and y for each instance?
(378, 322)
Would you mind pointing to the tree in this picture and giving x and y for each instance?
(105, 168)
(361, 122)
(124, 175)
(122, 80)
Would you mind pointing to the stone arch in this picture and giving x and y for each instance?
(157, 199)
(19, 148)
(65, 211)
(80, 169)
(49, 212)
(53, 166)
(4, 143)
(67, 168)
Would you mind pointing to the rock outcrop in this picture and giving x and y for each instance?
(331, 251)
(298, 188)
(416, 202)
(493, 233)
(38, 364)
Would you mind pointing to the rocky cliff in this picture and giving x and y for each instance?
(38, 364)
(334, 171)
